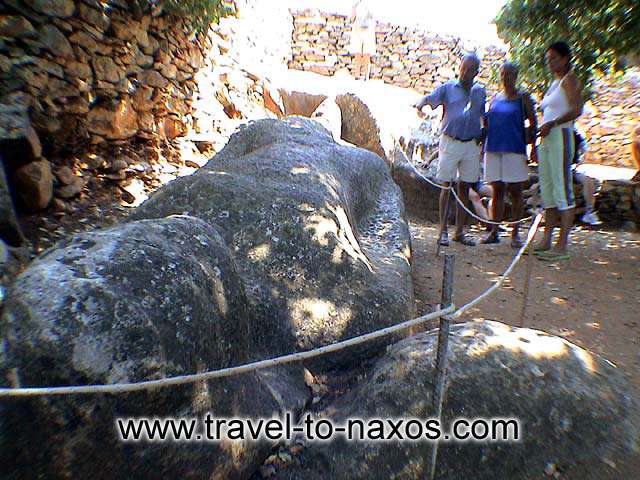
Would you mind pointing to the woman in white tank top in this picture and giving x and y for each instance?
(560, 107)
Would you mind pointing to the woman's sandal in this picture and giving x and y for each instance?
(491, 238)
(551, 256)
(516, 243)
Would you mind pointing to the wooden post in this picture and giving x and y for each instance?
(446, 221)
(441, 355)
(527, 284)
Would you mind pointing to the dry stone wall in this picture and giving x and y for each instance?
(85, 75)
(413, 58)
(407, 57)
(608, 120)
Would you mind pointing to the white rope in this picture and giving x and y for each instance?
(483, 220)
(262, 364)
(532, 232)
(224, 372)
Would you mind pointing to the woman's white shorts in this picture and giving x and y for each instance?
(505, 167)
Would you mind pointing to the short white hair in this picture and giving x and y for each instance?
(472, 56)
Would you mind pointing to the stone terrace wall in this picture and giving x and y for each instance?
(608, 120)
(77, 75)
(412, 58)
(406, 57)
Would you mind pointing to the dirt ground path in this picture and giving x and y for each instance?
(592, 300)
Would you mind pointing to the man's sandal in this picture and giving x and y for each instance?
(491, 238)
(464, 240)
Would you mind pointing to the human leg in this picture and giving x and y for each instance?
(588, 194)
(566, 223)
(564, 192)
(461, 214)
(517, 210)
(478, 206)
(444, 209)
(366, 66)
(358, 62)
(448, 154)
(469, 175)
(497, 210)
(551, 221)
(493, 176)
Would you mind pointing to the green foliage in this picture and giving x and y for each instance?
(600, 33)
(201, 13)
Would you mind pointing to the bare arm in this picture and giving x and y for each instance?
(530, 113)
(573, 90)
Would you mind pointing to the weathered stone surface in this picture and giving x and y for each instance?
(144, 98)
(375, 116)
(169, 71)
(140, 301)
(105, 69)
(328, 114)
(359, 126)
(317, 230)
(64, 175)
(95, 17)
(14, 115)
(574, 408)
(77, 105)
(53, 8)
(123, 31)
(154, 79)
(421, 198)
(55, 41)
(16, 26)
(33, 184)
(72, 189)
(85, 40)
(300, 103)
(115, 120)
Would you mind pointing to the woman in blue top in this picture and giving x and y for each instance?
(505, 160)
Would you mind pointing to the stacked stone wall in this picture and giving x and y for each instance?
(79, 76)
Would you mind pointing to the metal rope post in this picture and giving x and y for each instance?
(441, 356)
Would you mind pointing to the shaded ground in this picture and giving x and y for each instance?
(592, 300)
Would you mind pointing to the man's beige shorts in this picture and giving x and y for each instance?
(458, 160)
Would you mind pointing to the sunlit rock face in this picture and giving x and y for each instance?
(574, 408)
(139, 301)
(316, 229)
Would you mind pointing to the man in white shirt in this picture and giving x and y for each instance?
(362, 44)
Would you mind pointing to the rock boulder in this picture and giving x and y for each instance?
(575, 409)
(317, 230)
(135, 302)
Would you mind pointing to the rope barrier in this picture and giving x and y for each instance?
(262, 364)
(483, 220)
(532, 232)
(225, 372)
(490, 222)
